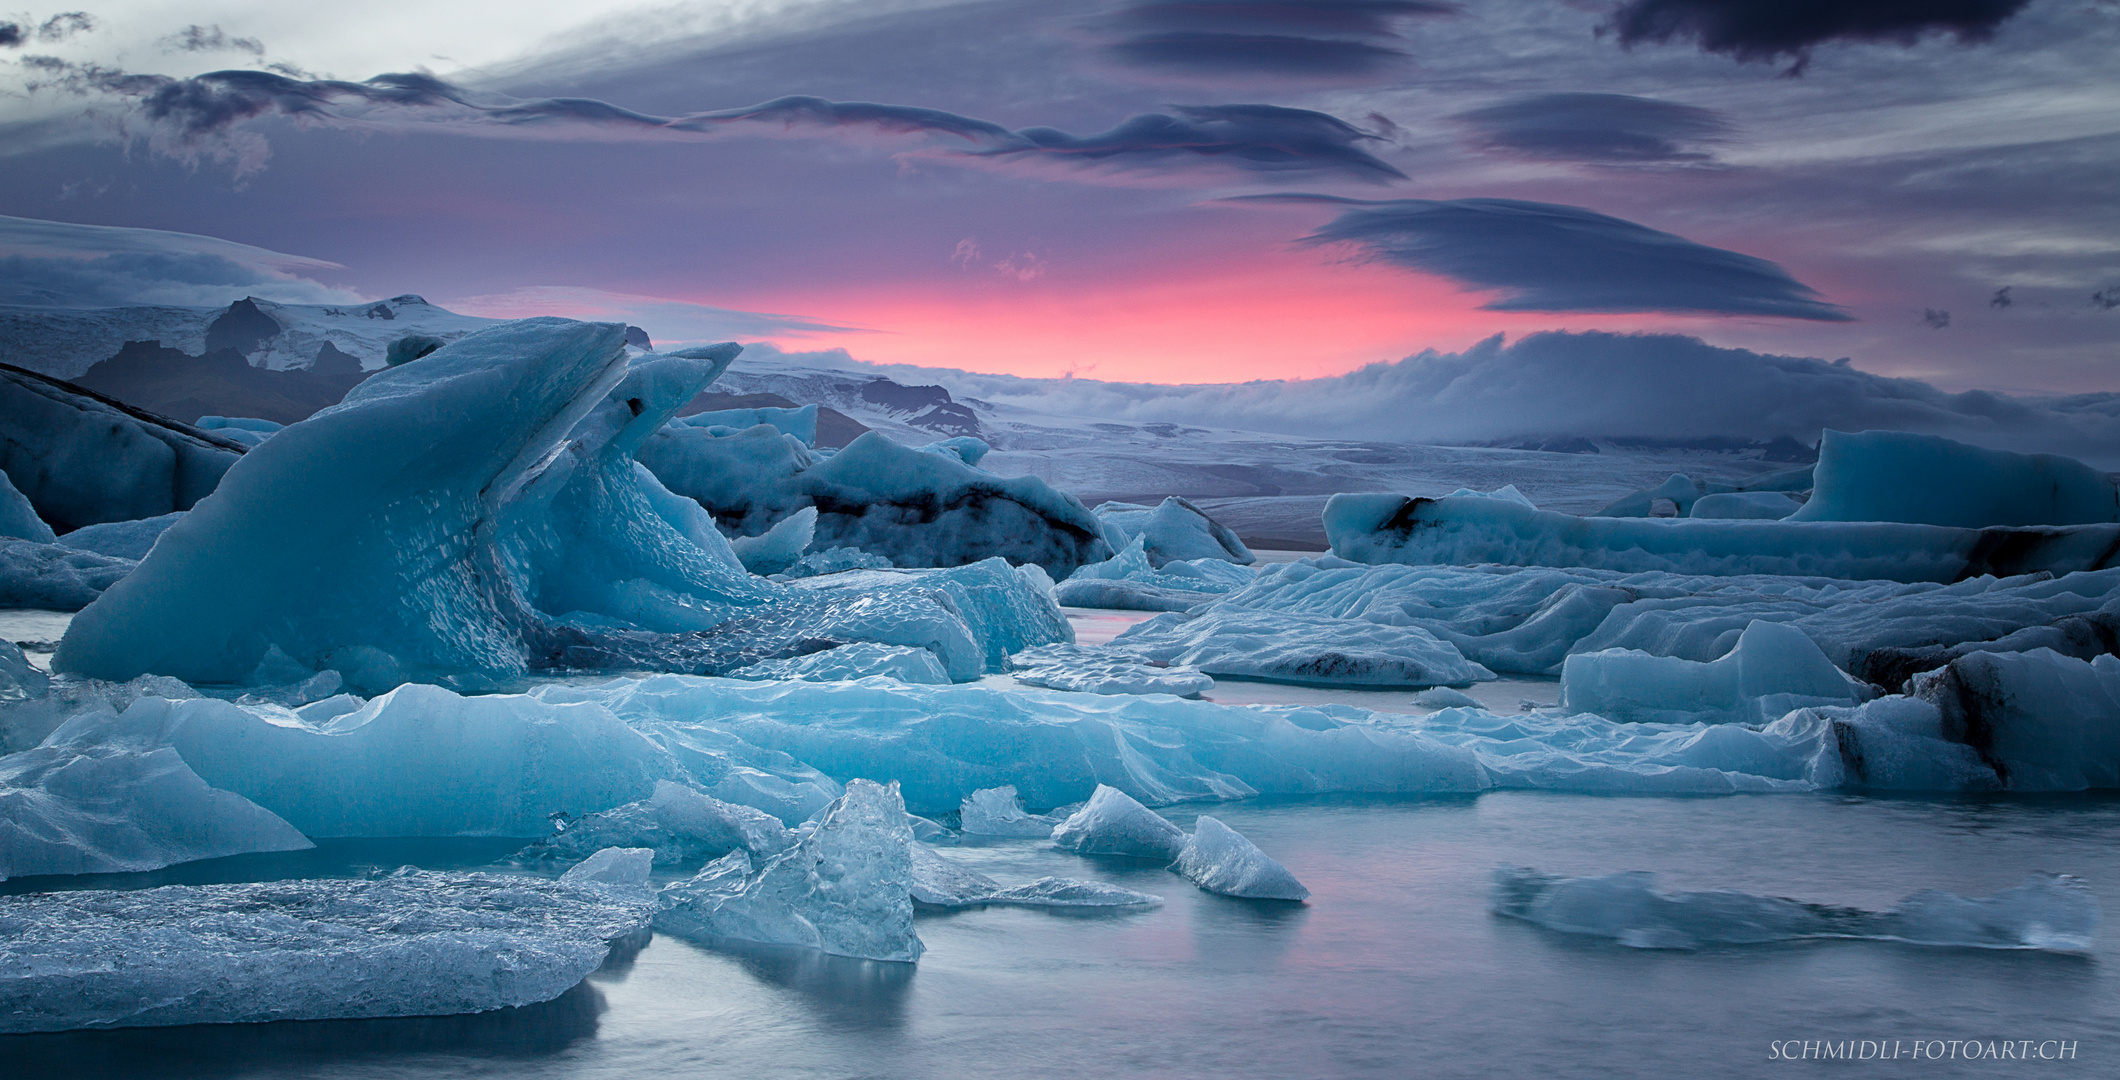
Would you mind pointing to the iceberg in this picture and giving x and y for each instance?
(1101, 669)
(857, 661)
(55, 577)
(613, 868)
(846, 888)
(1114, 823)
(1744, 505)
(18, 519)
(81, 458)
(1680, 491)
(414, 943)
(1172, 531)
(1308, 649)
(799, 422)
(1929, 480)
(1219, 859)
(939, 882)
(998, 812)
(676, 825)
(121, 539)
(110, 809)
(779, 547)
(2043, 721)
(1774, 669)
(1128, 581)
(1464, 531)
(2051, 912)
(249, 431)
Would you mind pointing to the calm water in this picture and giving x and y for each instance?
(1394, 968)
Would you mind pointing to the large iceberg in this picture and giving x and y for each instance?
(2048, 912)
(845, 888)
(1172, 531)
(470, 516)
(2043, 721)
(1219, 859)
(1467, 531)
(1114, 823)
(414, 943)
(112, 809)
(1901, 476)
(1284, 647)
(1774, 669)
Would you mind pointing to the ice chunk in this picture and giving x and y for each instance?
(2044, 721)
(1774, 668)
(81, 458)
(800, 422)
(418, 761)
(857, 661)
(1114, 823)
(779, 547)
(846, 888)
(18, 518)
(243, 429)
(1127, 580)
(1680, 491)
(27, 717)
(105, 809)
(940, 882)
(55, 577)
(2049, 911)
(834, 561)
(18, 680)
(1308, 649)
(998, 812)
(1506, 493)
(1001, 609)
(1901, 476)
(1219, 859)
(1460, 532)
(1739, 505)
(1101, 669)
(1443, 697)
(617, 867)
(415, 943)
(1173, 531)
(122, 539)
(1891, 744)
(677, 825)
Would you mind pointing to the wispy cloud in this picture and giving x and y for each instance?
(60, 264)
(666, 321)
(1609, 129)
(1343, 41)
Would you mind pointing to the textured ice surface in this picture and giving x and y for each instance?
(1114, 823)
(996, 609)
(677, 825)
(834, 561)
(1891, 744)
(1773, 669)
(940, 882)
(857, 661)
(1901, 476)
(1287, 647)
(1742, 505)
(614, 867)
(1219, 859)
(1173, 531)
(779, 547)
(800, 422)
(36, 705)
(108, 809)
(1463, 531)
(18, 518)
(1443, 697)
(999, 812)
(415, 943)
(2049, 911)
(2044, 721)
(418, 761)
(1127, 580)
(845, 888)
(122, 539)
(53, 576)
(1101, 669)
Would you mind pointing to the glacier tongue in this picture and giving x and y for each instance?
(415, 943)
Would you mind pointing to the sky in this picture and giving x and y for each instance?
(1129, 190)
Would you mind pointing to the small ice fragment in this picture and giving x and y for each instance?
(998, 812)
(1113, 823)
(1443, 697)
(1221, 860)
(941, 882)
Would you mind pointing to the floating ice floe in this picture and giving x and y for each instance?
(1744, 505)
(1114, 823)
(111, 809)
(2052, 912)
(1172, 531)
(55, 577)
(1465, 531)
(676, 825)
(1292, 648)
(1128, 581)
(999, 812)
(1095, 669)
(1902, 476)
(940, 882)
(856, 661)
(415, 943)
(1773, 669)
(472, 516)
(846, 888)
(122, 539)
(1219, 859)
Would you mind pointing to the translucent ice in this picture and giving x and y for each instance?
(998, 812)
(1173, 531)
(677, 825)
(846, 888)
(779, 547)
(1753, 505)
(857, 661)
(1219, 859)
(415, 943)
(1114, 823)
(940, 882)
(617, 867)
(1901, 476)
(1127, 580)
(2049, 911)
(1101, 669)
(1774, 668)
(1283, 647)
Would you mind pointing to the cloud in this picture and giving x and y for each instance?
(59, 264)
(12, 35)
(196, 38)
(1590, 385)
(65, 25)
(1613, 129)
(1766, 29)
(205, 115)
(1548, 257)
(668, 322)
(1334, 40)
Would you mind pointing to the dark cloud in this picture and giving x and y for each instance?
(196, 112)
(196, 38)
(11, 35)
(1547, 257)
(65, 25)
(1935, 318)
(1604, 128)
(1767, 29)
(2001, 301)
(1351, 40)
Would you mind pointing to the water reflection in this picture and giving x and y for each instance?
(863, 995)
(298, 1046)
